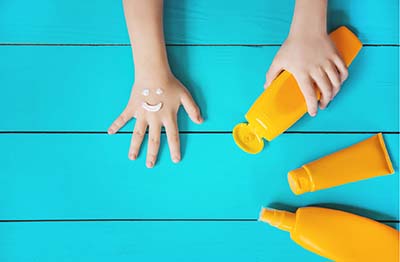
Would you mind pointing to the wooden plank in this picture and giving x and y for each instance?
(195, 22)
(148, 241)
(85, 88)
(90, 176)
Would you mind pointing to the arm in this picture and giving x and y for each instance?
(309, 54)
(156, 94)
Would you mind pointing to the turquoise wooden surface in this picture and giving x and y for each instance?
(195, 22)
(89, 86)
(148, 241)
(90, 176)
(81, 88)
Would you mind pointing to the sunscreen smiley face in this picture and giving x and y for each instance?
(149, 107)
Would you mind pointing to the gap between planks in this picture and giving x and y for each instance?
(192, 132)
(149, 220)
(188, 44)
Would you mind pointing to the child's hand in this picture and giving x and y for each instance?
(155, 103)
(310, 56)
(156, 94)
(311, 60)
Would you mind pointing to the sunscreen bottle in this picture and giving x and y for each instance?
(337, 235)
(282, 103)
(366, 159)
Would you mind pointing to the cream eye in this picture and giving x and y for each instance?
(146, 92)
(159, 91)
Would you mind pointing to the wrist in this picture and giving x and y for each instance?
(309, 18)
(152, 68)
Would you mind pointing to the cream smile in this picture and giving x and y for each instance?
(152, 108)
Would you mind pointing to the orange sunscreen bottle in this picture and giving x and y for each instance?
(337, 235)
(366, 159)
(282, 103)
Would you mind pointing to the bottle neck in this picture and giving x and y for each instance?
(259, 128)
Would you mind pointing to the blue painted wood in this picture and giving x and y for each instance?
(147, 241)
(188, 21)
(85, 88)
(90, 176)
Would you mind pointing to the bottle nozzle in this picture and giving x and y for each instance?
(281, 219)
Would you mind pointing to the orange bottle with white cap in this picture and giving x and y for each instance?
(337, 235)
(282, 103)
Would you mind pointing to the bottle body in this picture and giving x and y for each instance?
(338, 235)
(366, 159)
(282, 103)
(342, 236)
(280, 106)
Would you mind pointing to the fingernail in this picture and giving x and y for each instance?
(110, 131)
(200, 119)
(132, 156)
(149, 164)
(176, 159)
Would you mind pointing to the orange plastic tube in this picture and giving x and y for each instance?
(337, 235)
(282, 103)
(366, 159)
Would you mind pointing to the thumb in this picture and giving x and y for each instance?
(272, 73)
(191, 108)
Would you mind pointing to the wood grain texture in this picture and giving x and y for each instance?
(85, 88)
(194, 22)
(90, 176)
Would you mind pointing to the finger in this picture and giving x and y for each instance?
(153, 144)
(171, 128)
(341, 67)
(191, 108)
(308, 91)
(137, 138)
(272, 73)
(324, 85)
(334, 76)
(119, 122)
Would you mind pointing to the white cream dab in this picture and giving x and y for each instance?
(159, 91)
(151, 108)
(146, 92)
